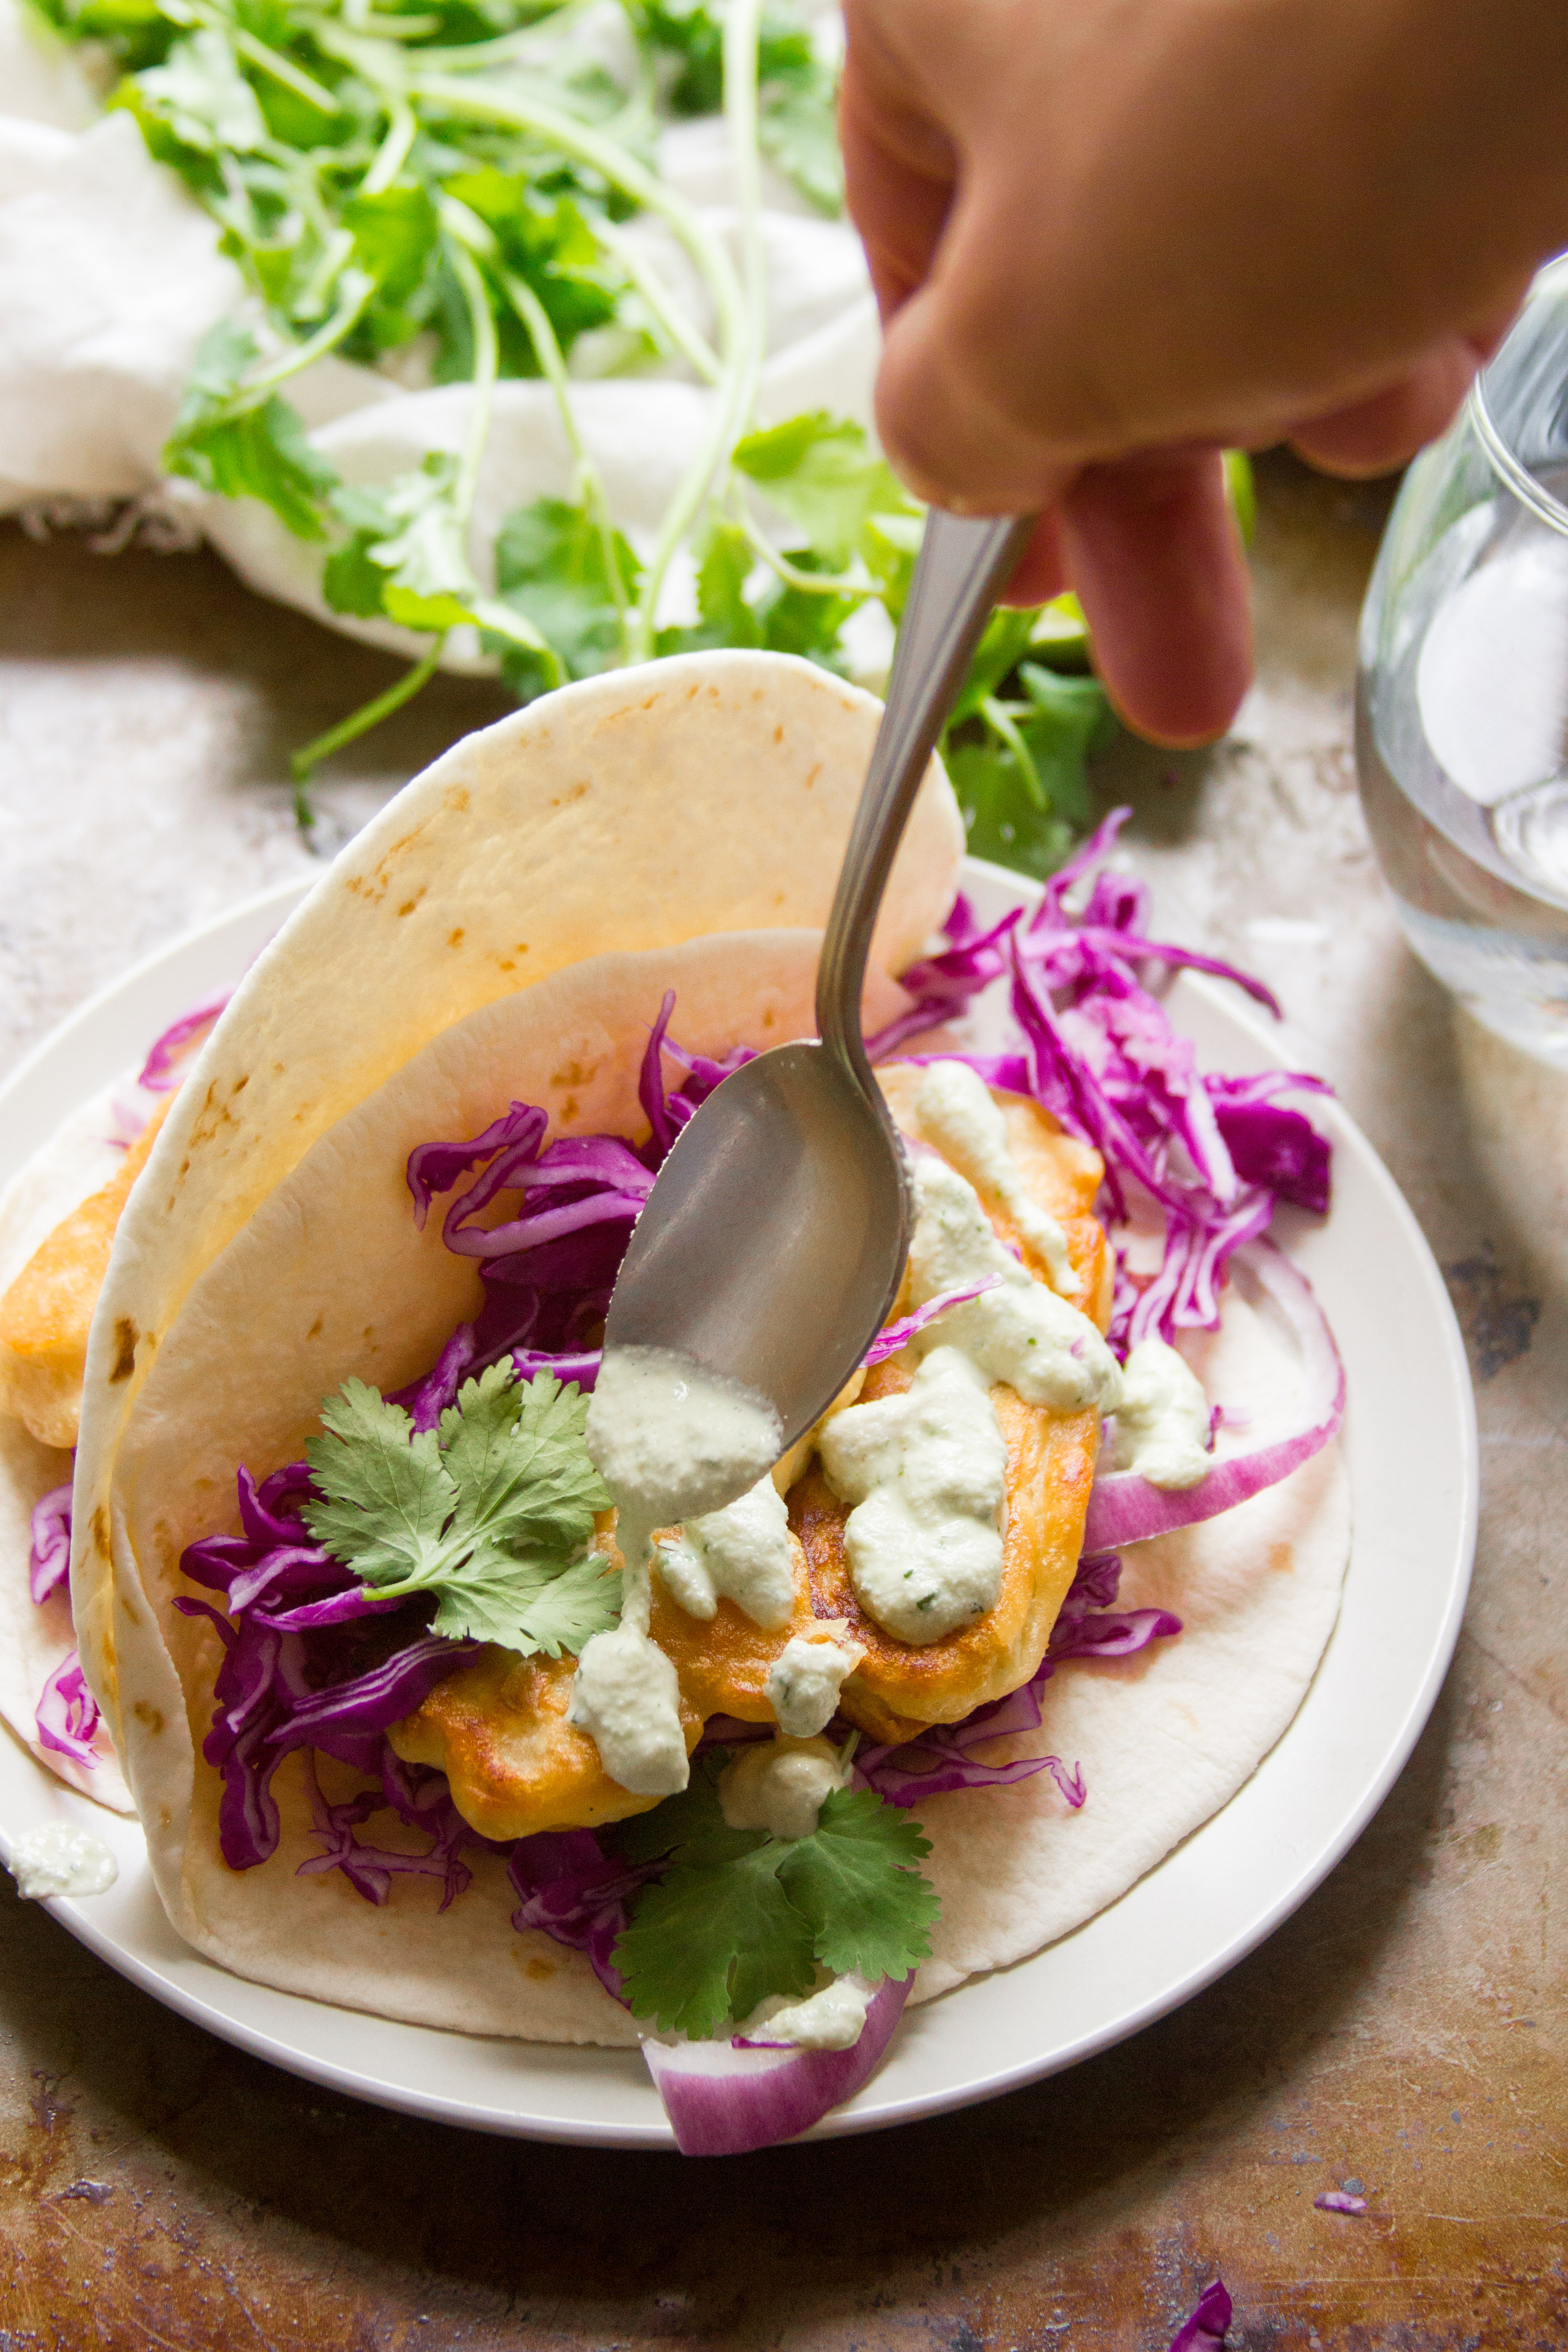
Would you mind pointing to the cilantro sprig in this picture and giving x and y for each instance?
(740, 1915)
(490, 1513)
(440, 188)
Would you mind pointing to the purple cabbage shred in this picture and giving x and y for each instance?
(67, 1715)
(1214, 1156)
(1205, 2331)
(67, 1712)
(49, 1543)
(161, 1072)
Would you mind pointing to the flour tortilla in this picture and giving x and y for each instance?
(75, 1162)
(634, 811)
(331, 1278)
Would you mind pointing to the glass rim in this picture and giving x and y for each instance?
(1510, 469)
(1503, 459)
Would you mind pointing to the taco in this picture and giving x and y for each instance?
(341, 1548)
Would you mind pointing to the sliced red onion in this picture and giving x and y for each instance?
(1125, 1508)
(1339, 2201)
(897, 1334)
(725, 2101)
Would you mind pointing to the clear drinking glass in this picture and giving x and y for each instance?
(1462, 695)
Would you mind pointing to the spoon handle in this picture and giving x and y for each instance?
(964, 560)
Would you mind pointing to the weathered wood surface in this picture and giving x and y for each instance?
(1406, 2029)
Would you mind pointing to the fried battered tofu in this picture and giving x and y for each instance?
(46, 1314)
(498, 1729)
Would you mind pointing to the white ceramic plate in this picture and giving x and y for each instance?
(1410, 1439)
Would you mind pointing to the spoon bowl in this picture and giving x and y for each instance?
(773, 1245)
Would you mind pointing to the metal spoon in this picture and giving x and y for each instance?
(773, 1245)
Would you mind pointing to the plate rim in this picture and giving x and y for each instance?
(868, 2113)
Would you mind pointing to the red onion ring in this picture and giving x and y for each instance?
(724, 2100)
(1125, 1508)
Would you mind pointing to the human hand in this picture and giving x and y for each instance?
(1111, 237)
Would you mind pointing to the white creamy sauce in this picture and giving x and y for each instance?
(957, 1114)
(1162, 1421)
(780, 1786)
(806, 1678)
(831, 2018)
(669, 1439)
(56, 1858)
(926, 1473)
(742, 1553)
(625, 1696)
(1019, 1332)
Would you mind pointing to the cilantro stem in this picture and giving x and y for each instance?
(623, 171)
(661, 301)
(589, 483)
(1000, 719)
(392, 153)
(485, 362)
(268, 61)
(355, 291)
(744, 332)
(819, 583)
(358, 722)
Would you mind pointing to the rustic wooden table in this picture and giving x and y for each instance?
(1406, 2029)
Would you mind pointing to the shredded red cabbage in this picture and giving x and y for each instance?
(309, 1658)
(49, 1544)
(941, 1760)
(568, 1887)
(67, 1712)
(67, 1715)
(1205, 2331)
(548, 1273)
(895, 1336)
(1125, 1508)
(161, 1072)
(1214, 1154)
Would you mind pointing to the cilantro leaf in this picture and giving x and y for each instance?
(857, 1880)
(201, 95)
(708, 1942)
(551, 566)
(531, 1606)
(517, 1451)
(247, 450)
(798, 129)
(405, 557)
(491, 1514)
(822, 470)
(388, 1497)
(740, 1915)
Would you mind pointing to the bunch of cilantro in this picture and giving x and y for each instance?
(491, 1514)
(439, 187)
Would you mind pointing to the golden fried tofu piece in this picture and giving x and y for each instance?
(46, 1314)
(723, 1661)
(497, 1729)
